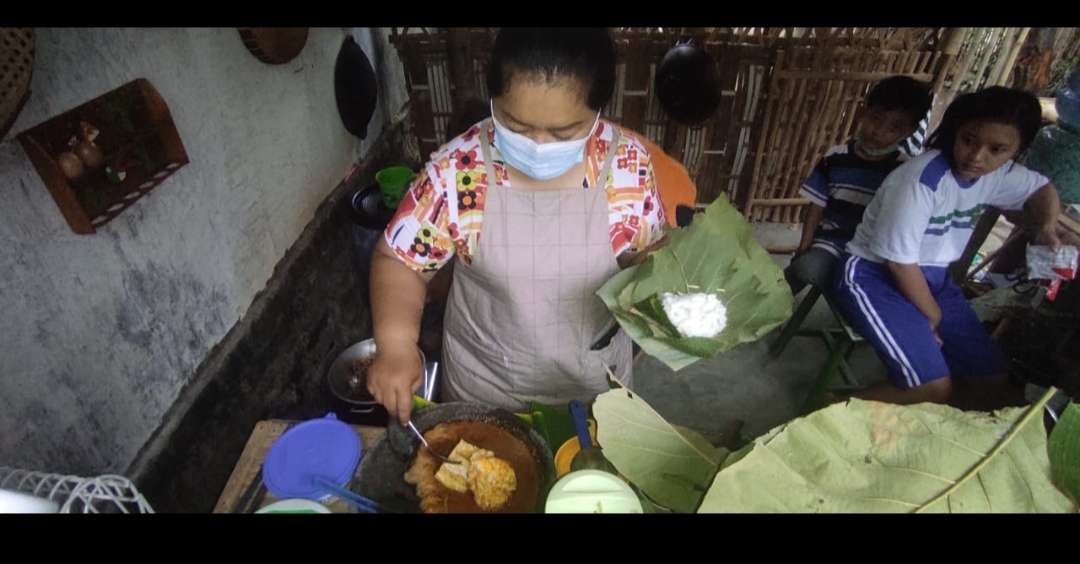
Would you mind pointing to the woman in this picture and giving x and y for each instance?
(541, 205)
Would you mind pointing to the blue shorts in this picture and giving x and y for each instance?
(869, 299)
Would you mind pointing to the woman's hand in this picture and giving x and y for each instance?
(394, 376)
(628, 259)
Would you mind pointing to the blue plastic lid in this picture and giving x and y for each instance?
(325, 448)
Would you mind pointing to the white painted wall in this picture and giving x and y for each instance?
(98, 333)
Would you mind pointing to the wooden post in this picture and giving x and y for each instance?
(958, 269)
(459, 61)
(1006, 66)
(950, 49)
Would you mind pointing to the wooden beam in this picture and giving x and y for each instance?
(780, 201)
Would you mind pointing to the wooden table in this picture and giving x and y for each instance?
(246, 471)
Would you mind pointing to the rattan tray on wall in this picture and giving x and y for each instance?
(16, 68)
(274, 45)
(137, 136)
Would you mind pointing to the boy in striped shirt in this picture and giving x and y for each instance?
(846, 179)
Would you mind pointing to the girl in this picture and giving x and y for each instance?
(541, 204)
(893, 285)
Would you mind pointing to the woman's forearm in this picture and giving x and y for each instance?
(912, 284)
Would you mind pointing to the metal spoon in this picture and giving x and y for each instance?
(423, 440)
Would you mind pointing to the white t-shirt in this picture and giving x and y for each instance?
(923, 214)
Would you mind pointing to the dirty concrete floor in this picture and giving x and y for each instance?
(744, 384)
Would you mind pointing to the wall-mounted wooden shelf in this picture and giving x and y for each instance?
(137, 136)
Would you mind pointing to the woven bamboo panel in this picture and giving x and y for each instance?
(16, 67)
(442, 66)
(813, 98)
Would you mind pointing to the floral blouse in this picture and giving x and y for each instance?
(443, 212)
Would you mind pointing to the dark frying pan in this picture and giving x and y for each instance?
(688, 84)
(382, 470)
(355, 88)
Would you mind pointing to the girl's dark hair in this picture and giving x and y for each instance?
(996, 104)
(584, 54)
(901, 93)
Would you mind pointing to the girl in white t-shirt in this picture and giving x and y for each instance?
(894, 285)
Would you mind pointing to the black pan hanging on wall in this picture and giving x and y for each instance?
(355, 88)
(688, 84)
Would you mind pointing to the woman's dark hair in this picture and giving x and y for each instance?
(586, 54)
(901, 93)
(996, 104)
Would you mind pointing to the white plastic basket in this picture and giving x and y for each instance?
(104, 494)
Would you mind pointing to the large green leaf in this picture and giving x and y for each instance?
(672, 465)
(876, 457)
(1065, 452)
(717, 254)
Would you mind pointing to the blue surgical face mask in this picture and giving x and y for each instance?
(535, 160)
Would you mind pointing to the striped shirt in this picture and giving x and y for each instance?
(843, 184)
(913, 146)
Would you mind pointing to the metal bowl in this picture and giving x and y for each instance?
(350, 389)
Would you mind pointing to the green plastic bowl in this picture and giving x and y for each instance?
(393, 182)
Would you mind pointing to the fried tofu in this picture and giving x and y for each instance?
(492, 481)
(455, 476)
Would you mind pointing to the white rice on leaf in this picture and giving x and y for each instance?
(695, 314)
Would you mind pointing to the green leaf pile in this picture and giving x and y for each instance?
(1065, 452)
(876, 457)
(672, 465)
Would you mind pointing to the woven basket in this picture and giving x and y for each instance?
(16, 66)
(274, 45)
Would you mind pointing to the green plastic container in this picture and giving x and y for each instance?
(393, 182)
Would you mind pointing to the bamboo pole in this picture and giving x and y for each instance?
(1007, 64)
(947, 62)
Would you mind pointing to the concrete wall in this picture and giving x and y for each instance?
(99, 333)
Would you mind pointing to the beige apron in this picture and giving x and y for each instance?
(521, 319)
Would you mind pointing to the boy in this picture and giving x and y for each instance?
(845, 180)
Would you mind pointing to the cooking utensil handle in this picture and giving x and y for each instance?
(418, 434)
(360, 502)
(581, 425)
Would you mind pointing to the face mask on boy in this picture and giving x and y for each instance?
(874, 152)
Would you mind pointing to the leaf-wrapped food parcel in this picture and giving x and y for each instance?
(716, 255)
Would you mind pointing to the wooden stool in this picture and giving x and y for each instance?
(840, 342)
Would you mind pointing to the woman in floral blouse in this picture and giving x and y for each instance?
(541, 204)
